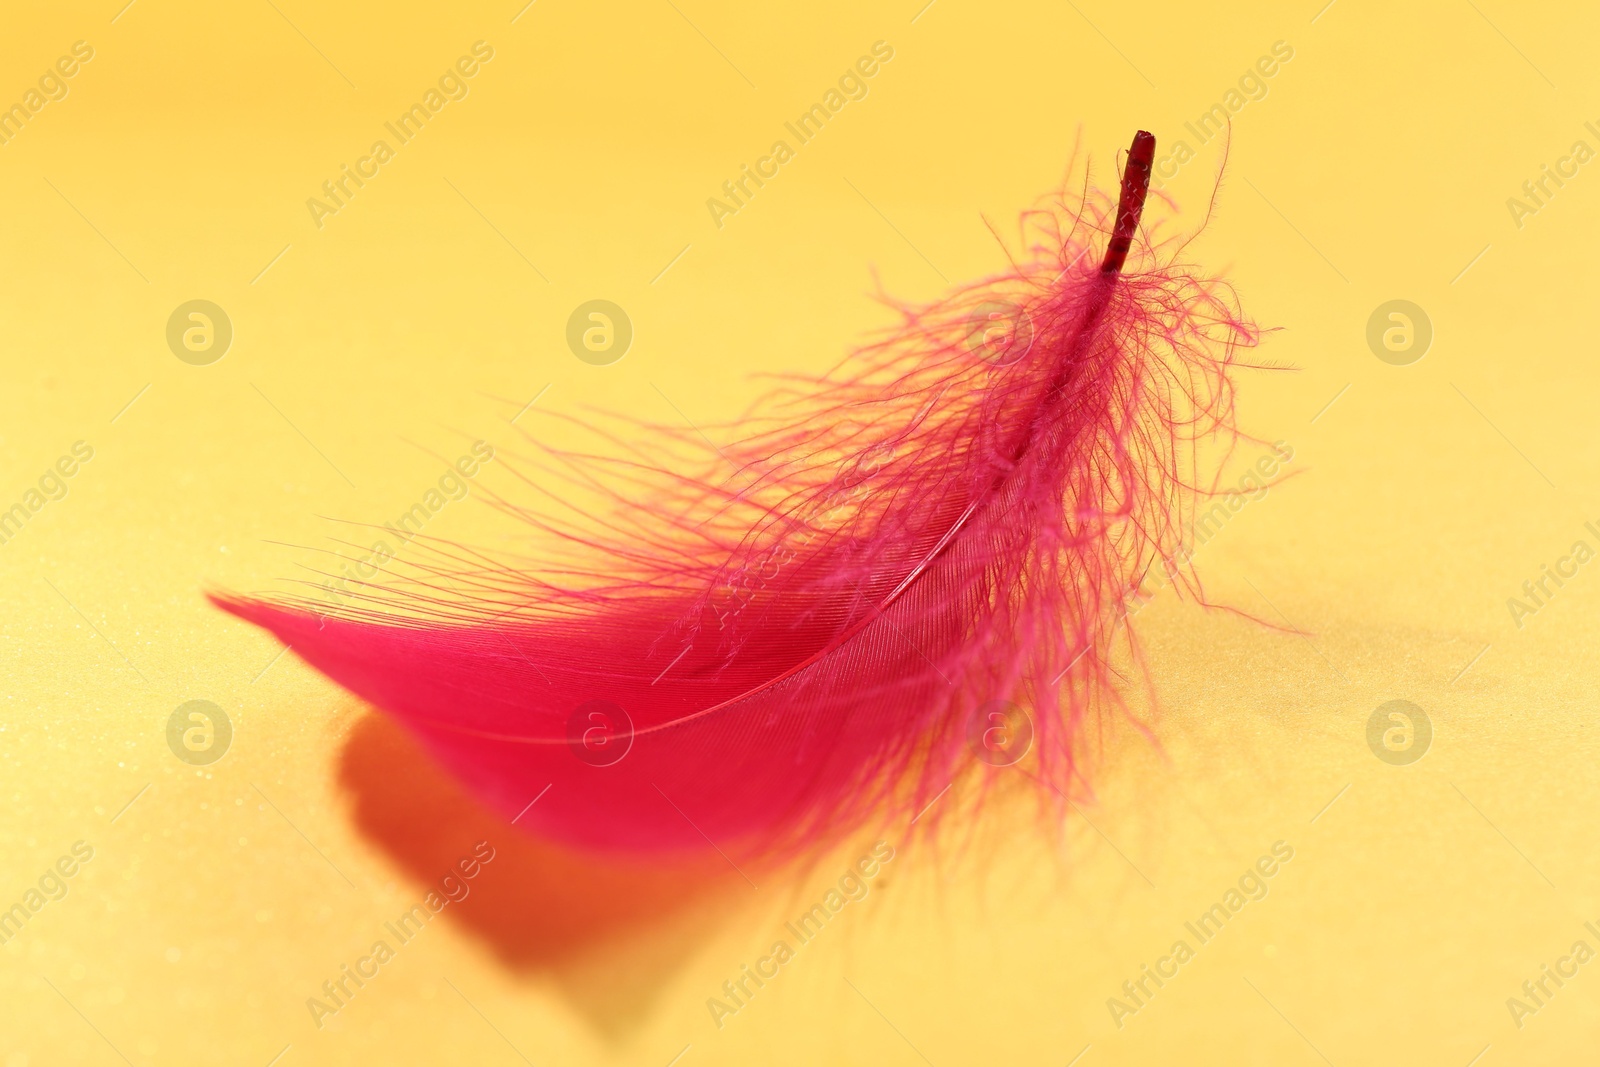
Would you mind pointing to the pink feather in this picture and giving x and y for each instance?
(800, 638)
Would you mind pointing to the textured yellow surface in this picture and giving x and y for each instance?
(1374, 164)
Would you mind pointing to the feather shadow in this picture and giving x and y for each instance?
(610, 934)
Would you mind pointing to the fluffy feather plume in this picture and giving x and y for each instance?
(821, 626)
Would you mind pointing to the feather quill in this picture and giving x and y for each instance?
(816, 629)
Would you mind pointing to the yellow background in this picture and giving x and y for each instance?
(419, 319)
